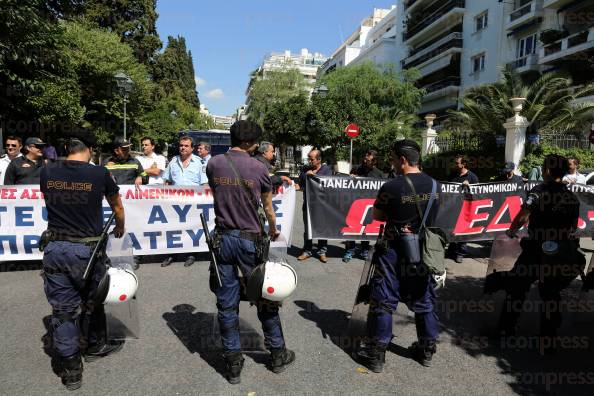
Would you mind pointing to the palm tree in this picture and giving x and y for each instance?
(549, 107)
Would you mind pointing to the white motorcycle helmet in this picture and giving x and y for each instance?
(119, 285)
(274, 281)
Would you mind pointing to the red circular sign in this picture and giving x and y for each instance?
(352, 130)
(270, 290)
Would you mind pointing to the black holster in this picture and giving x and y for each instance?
(46, 237)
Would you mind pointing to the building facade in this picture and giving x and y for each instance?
(305, 62)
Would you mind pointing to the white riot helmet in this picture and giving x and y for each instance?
(274, 281)
(118, 286)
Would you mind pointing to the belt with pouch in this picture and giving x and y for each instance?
(50, 236)
(250, 236)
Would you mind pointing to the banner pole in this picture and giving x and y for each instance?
(351, 157)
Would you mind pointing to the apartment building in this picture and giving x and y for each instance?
(305, 62)
(369, 33)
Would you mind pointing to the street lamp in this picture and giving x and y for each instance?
(125, 84)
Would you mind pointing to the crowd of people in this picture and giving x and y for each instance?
(242, 187)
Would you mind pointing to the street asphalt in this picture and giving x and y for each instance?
(177, 352)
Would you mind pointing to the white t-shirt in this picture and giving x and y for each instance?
(4, 161)
(577, 177)
(153, 159)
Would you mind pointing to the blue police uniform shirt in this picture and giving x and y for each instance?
(204, 162)
(73, 193)
(177, 175)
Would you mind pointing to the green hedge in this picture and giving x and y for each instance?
(536, 158)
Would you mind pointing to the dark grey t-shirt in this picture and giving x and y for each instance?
(232, 207)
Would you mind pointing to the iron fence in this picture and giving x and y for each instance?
(564, 141)
(466, 142)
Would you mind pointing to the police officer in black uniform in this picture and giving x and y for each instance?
(73, 191)
(398, 275)
(26, 169)
(123, 167)
(550, 252)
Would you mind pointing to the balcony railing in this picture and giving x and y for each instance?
(414, 28)
(528, 60)
(453, 40)
(520, 12)
(446, 82)
(569, 42)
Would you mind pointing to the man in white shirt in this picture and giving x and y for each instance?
(573, 176)
(154, 164)
(204, 154)
(13, 150)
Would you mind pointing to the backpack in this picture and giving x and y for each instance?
(432, 239)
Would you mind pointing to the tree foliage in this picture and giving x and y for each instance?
(174, 71)
(58, 59)
(380, 100)
(134, 21)
(549, 105)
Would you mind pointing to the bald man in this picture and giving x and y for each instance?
(315, 168)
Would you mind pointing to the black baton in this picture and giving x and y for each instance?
(98, 247)
(213, 258)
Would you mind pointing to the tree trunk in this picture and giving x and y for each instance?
(283, 155)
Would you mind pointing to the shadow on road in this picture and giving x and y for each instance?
(470, 318)
(331, 322)
(199, 333)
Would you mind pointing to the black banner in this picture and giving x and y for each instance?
(340, 208)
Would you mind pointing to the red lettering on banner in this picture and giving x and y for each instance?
(469, 215)
(130, 194)
(373, 227)
(24, 194)
(356, 217)
(514, 205)
(8, 193)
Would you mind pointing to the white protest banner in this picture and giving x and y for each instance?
(159, 219)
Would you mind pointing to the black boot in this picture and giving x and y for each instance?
(71, 372)
(98, 351)
(423, 352)
(280, 358)
(372, 356)
(233, 365)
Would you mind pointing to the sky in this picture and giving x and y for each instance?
(230, 38)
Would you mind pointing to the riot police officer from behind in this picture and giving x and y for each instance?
(549, 253)
(73, 191)
(398, 275)
(238, 234)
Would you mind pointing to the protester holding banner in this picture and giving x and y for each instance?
(184, 169)
(73, 191)
(550, 252)
(153, 164)
(13, 150)
(123, 167)
(460, 174)
(239, 184)
(315, 168)
(573, 175)
(508, 174)
(404, 203)
(266, 156)
(27, 168)
(366, 169)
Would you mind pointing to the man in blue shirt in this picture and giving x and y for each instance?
(204, 154)
(184, 169)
